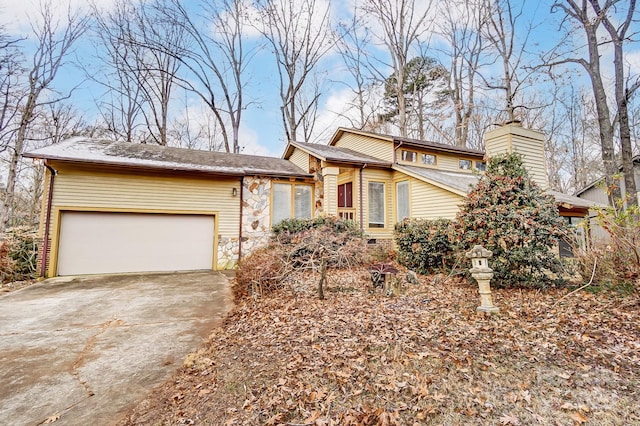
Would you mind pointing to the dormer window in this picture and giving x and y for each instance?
(464, 164)
(429, 159)
(481, 166)
(409, 156)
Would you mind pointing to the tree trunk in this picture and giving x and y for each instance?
(323, 279)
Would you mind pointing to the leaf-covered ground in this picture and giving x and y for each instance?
(424, 357)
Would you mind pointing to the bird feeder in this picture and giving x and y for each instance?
(482, 273)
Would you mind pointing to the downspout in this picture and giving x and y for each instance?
(241, 218)
(395, 152)
(361, 199)
(45, 243)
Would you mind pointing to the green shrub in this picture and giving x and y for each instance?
(425, 246)
(508, 214)
(288, 228)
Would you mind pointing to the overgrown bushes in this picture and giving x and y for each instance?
(506, 213)
(615, 263)
(425, 246)
(18, 255)
(298, 245)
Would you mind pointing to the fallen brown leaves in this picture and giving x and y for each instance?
(424, 357)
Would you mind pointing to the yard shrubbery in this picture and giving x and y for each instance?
(506, 213)
(18, 255)
(425, 246)
(299, 245)
(615, 263)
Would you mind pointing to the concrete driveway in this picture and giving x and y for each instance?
(82, 350)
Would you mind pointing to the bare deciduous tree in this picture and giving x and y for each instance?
(591, 17)
(353, 46)
(462, 27)
(300, 35)
(401, 26)
(502, 20)
(145, 74)
(121, 106)
(54, 42)
(216, 59)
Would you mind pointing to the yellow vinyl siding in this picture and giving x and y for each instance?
(300, 159)
(381, 149)
(86, 190)
(374, 175)
(451, 162)
(533, 159)
(431, 202)
(529, 143)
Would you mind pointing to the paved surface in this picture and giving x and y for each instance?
(83, 350)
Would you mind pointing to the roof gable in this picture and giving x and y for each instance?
(334, 154)
(417, 143)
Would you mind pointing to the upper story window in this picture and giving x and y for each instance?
(429, 159)
(481, 166)
(291, 201)
(464, 164)
(409, 156)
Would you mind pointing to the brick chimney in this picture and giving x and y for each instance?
(512, 137)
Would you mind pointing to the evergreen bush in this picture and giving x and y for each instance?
(425, 246)
(508, 213)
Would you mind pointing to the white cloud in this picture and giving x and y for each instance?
(17, 15)
(249, 144)
(339, 111)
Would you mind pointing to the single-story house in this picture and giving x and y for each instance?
(115, 207)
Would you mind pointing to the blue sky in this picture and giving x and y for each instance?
(262, 131)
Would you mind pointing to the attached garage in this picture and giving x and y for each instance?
(117, 207)
(99, 243)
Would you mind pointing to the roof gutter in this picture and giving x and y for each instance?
(45, 243)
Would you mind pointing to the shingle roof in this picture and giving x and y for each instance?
(333, 153)
(82, 150)
(463, 181)
(572, 201)
(456, 180)
(408, 141)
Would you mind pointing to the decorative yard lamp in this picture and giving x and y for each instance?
(482, 273)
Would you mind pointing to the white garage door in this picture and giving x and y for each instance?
(98, 243)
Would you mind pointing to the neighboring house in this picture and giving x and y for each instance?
(596, 193)
(120, 207)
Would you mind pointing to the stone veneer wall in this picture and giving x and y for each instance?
(256, 213)
(227, 252)
(256, 222)
(315, 168)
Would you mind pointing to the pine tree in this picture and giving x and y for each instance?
(509, 214)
